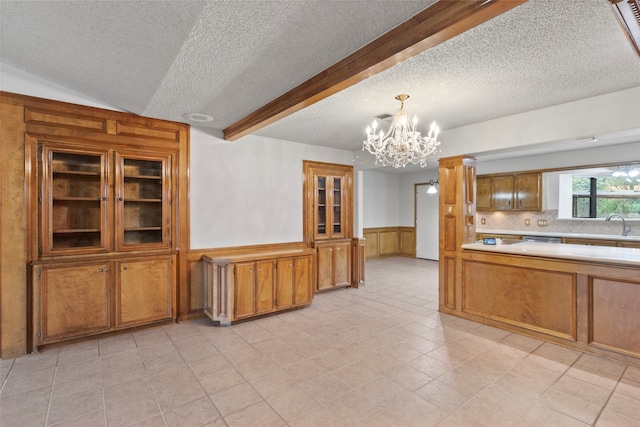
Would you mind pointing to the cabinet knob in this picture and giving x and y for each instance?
(337, 249)
(101, 270)
(104, 199)
(260, 269)
(120, 199)
(124, 268)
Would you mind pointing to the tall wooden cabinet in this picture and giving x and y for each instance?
(106, 218)
(328, 216)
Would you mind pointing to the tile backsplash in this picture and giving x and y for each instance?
(516, 221)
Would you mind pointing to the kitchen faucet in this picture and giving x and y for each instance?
(626, 228)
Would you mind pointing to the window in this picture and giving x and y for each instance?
(598, 197)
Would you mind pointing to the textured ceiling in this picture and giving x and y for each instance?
(227, 58)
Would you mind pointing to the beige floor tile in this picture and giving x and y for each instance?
(221, 380)
(92, 419)
(353, 408)
(521, 342)
(326, 388)
(122, 373)
(74, 406)
(127, 390)
(65, 389)
(28, 380)
(256, 368)
(14, 404)
(195, 413)
(242, 354)
(407, 410)
(78, 355)
(381, 391)
(558, 354)
(408, 377)
(573, 406)
(235, 399)
(632, 374)
(293, 403)
(319, 417)
(77, 370)
(116, 344)
(156, 421)
(257, 415)
(583, 390)
(542, 416)
(304, 371)
(628, 388)
(443, 396)
(624, 405)
(180, 330)
(150, 337)
(124, 412)
(610, 418)
(273, 384)
(206, 367)
(431, 366)
(35, 416)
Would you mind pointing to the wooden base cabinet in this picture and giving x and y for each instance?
(334, 264)
(294, 282)
(253, 284)
(74, 300)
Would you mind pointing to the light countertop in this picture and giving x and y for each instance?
(606, 254)
(556, 234)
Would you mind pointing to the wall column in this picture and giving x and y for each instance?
(457, 213)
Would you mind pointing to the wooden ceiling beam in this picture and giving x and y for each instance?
(441, 21)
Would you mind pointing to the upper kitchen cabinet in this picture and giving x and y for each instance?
(510, 192)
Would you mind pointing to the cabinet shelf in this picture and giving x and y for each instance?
(76, 230)
(76, 199)
(142, 177)
(143, 229)
(71, 172)
(143, 200)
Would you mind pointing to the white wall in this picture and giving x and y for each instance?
(249, 192)
(381, 199)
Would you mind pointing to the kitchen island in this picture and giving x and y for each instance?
(584, 297)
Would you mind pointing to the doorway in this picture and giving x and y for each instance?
(426, 218)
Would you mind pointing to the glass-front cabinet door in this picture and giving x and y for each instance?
(142, 207)
(329, 215)
(74, 200)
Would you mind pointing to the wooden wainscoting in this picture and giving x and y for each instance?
(383, 242)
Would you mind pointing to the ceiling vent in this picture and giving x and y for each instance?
(384, 117)
(628, 14)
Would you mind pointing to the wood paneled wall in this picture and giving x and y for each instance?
(383, 242)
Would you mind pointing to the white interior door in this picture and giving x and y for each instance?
(426, 223)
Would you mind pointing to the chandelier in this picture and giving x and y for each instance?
(402, 144)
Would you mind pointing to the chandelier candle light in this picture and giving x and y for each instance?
(402, 144)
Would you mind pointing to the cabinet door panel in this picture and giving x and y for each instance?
(302, 283)
(502, 189)
(284, 286)
(528, 194)
(244, 290)
(143, 290)
(325, 267)
(74, 200)
(264, 287)
(483, 196)
(341, 263)
(74, 300)
(142, 188)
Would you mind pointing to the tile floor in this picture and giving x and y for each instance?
(380, 355)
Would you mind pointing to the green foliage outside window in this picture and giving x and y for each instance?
(613, 195)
